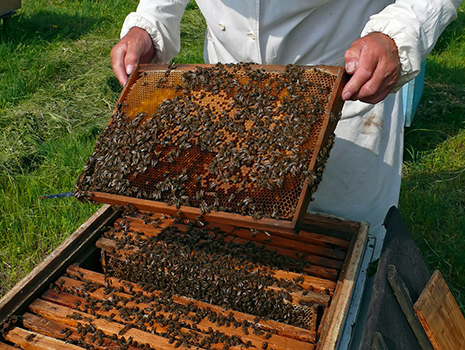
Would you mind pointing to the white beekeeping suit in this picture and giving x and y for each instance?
(363, 174)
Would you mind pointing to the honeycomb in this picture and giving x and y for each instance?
(164, 282)
(230, 138)
(205, 263)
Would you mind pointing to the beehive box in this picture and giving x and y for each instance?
(208, 245)
(147, 280)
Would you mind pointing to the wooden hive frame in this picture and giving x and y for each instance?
(50, 311)
(321, 137)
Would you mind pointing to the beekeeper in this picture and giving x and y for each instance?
(382, 44)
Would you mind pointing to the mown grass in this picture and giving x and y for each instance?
(433, 188)
(57, 91)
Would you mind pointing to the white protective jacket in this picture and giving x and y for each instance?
(363, 174)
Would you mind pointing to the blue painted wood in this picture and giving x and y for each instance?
(411, 93)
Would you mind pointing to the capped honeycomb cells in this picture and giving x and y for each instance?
(235, 138)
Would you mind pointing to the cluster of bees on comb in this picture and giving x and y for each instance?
(203, 263)
(231, 138)
(170, 282)
(239, 300)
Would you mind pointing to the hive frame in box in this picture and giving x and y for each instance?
(78, 247)
(328, 121)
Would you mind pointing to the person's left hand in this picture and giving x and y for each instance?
(374, 63)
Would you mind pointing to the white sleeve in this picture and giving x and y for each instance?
(415, 27)
(162, 20)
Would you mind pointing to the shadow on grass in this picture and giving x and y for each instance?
(47, 26)
(432, 204)
(114, 85)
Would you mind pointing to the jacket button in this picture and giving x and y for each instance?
(222, 26)
(251, 35)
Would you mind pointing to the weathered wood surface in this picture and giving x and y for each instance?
(30, 340)
(4, 346)
(281, 328)
(335, 315)
(60, 313)
(326, 260)
(440, 315)
(405, 302)
(309, 282)
(192, 213)
(142, 224)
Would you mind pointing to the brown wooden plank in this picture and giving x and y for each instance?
(55, 330)
(298, 246)
(59, 313)
(192, 213)
(69, 300)
(282, 329)
(329, 120)
(309, 282)
(145, 229)
(4, 346)
(405, 302)
(47, 271)
(56, 312)
(321, 267)
(137, 223)
(335, 314)
(275, 341)
(329, 256)
(308, 299)
(316, 270)
(323, 240)
(31, 340)
(147, 67)
(330, 225)
(127, 87)
(318, 259)
(440, 315)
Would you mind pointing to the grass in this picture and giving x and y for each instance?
(57, 91)
(433, 188)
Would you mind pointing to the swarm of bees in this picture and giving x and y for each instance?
(232, 138)
(203, 264)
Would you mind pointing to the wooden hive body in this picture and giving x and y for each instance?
(70, 291)
(178, 262)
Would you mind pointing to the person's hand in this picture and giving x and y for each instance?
(374, 64)
(134, 48)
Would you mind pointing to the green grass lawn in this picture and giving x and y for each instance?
(433, 188)
(57, 91)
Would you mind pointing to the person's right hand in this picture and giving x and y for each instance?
(134, 48)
